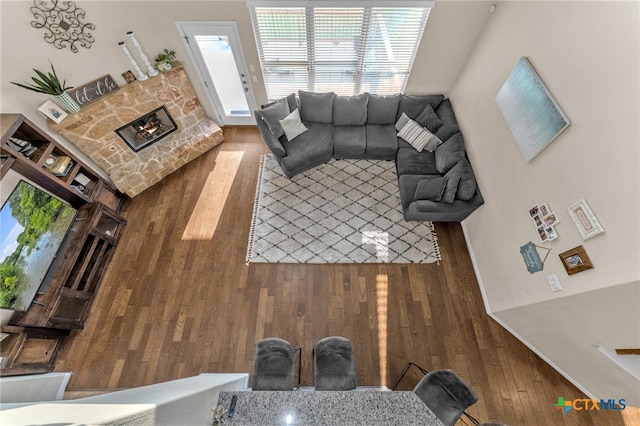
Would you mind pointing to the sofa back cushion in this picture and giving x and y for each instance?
(413, 105)
(350, 110)
(450, 126)
(316, 107)
(383, 109)
(449, 153)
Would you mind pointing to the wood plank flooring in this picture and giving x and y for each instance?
(173, 306)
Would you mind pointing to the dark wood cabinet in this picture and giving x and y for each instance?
(64, 300)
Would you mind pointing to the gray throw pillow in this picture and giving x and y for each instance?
(382, 109)
(350, 110)
(272, 115)
(450, 190)
(467, 185)
(292, 101)
(449, 153)
(429, 119)
(292, 125)
(430, 188)
(316, 107)
(419, 137)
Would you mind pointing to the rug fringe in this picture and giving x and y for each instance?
(254, 217)
(435, 242)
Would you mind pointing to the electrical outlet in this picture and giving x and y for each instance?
(554, 282)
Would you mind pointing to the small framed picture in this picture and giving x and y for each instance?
(575, 260)
(53, 111)
(550, 219)
(534, 211)
(129, 77)
(537, 220)
(584, 219)
(551, 232)
(544, 209)
(542, 234)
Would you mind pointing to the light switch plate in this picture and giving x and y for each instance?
(554, 282)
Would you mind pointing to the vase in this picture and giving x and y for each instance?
(68, 103)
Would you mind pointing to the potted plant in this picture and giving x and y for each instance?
(164, 60)
(50, 84)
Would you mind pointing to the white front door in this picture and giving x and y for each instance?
(216, 52)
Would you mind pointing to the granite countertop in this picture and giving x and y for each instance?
(328, 408)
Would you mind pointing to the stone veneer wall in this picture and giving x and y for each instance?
(93, 130)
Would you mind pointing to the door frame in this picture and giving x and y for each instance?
(203, 73)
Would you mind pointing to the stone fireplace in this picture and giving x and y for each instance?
(135, 168)
(148, 129)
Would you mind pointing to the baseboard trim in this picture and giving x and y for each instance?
(487, 308)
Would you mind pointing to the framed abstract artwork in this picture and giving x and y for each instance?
(533, 115)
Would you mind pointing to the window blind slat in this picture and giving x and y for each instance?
(348, 50)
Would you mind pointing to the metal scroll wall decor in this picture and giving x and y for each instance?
(63, 22)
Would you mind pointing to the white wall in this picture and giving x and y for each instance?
(587, 53)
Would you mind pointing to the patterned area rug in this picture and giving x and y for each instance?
(345, 211)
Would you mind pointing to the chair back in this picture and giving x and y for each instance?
(334, 366)
(446, 394)
(274, 365)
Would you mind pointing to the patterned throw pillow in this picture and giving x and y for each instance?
(419, 137)
(292, 125)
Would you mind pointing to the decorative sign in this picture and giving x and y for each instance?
(93, 91)
(531, 257)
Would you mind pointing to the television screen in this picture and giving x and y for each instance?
(34, 226)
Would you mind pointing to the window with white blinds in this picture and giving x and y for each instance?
(346, 50)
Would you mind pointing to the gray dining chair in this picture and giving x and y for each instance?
(334, 366)
(447, 395)
(274, 368)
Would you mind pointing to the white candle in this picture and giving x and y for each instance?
(139, 74)
(150, 68)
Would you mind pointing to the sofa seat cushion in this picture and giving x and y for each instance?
(449, 153)
(349, 141)
(467, 185)
(350, 110)
(316, 107)
(381, 141)
(411, 162)
(382, 109)
(312, 147)
(413, 105)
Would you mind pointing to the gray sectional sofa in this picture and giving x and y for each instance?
(434, 175)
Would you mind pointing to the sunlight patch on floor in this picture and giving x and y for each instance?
(207, 211)
(380, 240)
(382, 296)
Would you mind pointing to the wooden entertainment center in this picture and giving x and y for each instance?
(33, 338)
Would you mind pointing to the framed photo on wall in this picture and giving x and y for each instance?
(575, 260)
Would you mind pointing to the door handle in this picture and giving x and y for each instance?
(246, 89)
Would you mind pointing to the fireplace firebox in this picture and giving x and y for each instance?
(148, 129)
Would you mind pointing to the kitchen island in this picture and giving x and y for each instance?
(303, 407)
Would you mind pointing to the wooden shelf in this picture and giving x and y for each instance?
(69, 186)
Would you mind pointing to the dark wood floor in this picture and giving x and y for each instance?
(171, 307)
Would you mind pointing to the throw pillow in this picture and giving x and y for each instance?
(273, 113)
(429, 119)
(350, 110)
(419, 137)
(467, 186)
(316, 107)
(450, 189)
(449, 153)
(430, 188)
(413, 105)
(292, 125)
